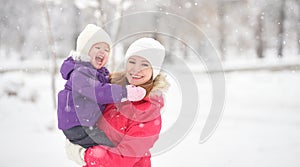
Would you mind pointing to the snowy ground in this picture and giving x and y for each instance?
(260, 125)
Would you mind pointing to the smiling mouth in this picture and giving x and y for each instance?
(136, 76)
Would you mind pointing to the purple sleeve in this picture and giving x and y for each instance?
(102, 93)
(67, 67)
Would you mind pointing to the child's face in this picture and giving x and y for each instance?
(138, 70)
(99, 54)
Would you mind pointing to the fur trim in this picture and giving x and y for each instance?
(160, 86)
(74, 55)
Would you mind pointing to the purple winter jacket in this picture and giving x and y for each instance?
(85, 95)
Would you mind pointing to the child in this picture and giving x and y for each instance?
(87, 90)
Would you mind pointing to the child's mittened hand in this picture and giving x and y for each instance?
(75, 153)
(135, 93)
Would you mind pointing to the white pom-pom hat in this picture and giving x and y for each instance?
(90, 35)
(151, 50)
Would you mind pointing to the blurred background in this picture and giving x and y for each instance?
(237, 28)
(257, 43)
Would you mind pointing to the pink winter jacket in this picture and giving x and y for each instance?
(133, 127)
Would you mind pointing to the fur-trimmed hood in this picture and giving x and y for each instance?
(160, 86)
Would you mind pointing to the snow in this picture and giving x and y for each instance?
(260, 124)
(115, 2)
(85, 4)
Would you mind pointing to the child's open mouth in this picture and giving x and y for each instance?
(99, 59)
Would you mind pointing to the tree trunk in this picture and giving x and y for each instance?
(100, 20)
(76, 23)
(52, 53)
(185, 51)
(259, 36)
(298, 29)
(118, 31)
(221, 13)
(281, 29)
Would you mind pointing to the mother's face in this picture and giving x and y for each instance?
(138, 70)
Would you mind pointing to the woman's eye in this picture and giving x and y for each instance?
(145, 65)
(106, 50)
(131, 62)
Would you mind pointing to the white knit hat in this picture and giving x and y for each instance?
(90, 35)
(151, 50)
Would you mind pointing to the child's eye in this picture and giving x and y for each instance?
(97, 47)
(145, 65)
(106, 50)
(131, 62)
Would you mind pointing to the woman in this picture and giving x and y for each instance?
(133, 127)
